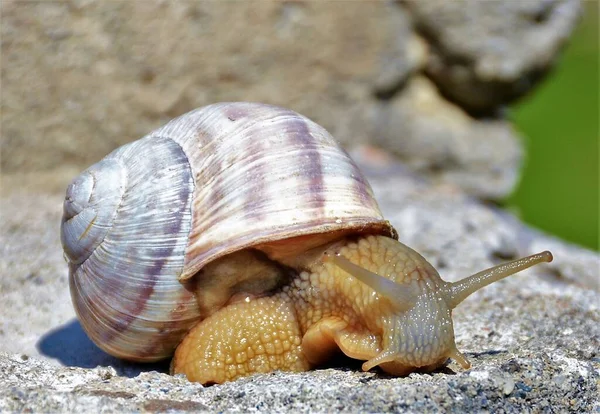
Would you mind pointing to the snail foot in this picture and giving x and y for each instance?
(256, 335)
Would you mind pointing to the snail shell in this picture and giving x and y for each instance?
(220, 179)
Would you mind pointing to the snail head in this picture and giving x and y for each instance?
(417, 329)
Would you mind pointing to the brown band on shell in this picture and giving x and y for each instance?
(172, 329)
(235, 112)
(309, 160)
(254, 196)
(361, 186)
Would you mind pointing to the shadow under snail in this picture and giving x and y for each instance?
(242, 238)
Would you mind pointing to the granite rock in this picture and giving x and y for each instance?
(509, 384)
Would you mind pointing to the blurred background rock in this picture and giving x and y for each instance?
(560, 127)
(427, 82)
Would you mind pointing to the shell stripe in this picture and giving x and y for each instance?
(309, 163)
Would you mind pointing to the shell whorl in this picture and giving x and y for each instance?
(90, 207)
(124, 279)
(216, 180)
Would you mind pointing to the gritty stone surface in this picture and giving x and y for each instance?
(505, 384)
(100, 74)
(532, 339)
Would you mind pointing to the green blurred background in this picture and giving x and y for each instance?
(559, 122)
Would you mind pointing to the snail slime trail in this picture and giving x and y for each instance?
(208, 239)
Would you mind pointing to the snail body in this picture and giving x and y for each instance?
(244, 236)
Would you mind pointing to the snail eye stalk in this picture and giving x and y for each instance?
(459, 291)
(401, 297)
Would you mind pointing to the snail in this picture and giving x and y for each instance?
(241, 238)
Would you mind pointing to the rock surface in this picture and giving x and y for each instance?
(487, 53)
(438, 139)
(81, 78)
(97, 78)
(533, 339)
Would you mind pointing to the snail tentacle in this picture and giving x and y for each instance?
(459, 291)
(401, 297)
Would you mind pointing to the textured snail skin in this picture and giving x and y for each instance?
(321, 310)
(244, 236)
(324, 308)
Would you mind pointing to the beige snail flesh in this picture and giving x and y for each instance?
(244, 236)
(372, 297)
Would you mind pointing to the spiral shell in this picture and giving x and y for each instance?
(139, 224)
